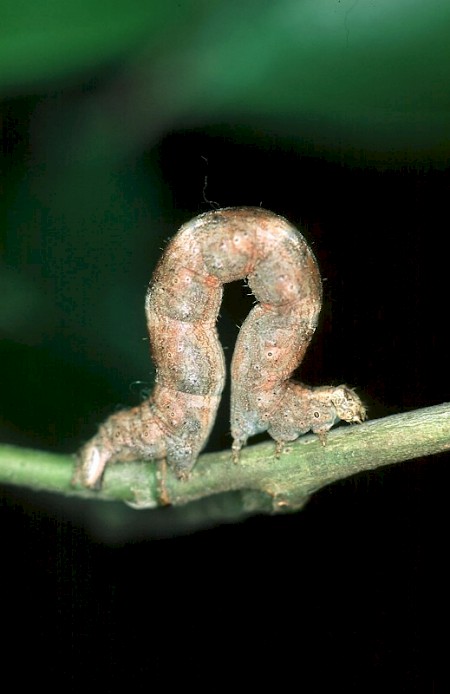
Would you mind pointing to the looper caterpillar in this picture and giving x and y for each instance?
(182, 305)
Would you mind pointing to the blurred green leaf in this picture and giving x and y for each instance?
(43, 40)
(373, 73)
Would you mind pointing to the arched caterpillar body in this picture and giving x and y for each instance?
(182, 305)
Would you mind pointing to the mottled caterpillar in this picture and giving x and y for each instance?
(182, 305)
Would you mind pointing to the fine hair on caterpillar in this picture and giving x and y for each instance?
(182, 306)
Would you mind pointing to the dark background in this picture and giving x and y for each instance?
(348, 592)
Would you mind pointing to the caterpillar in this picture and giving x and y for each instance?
(182, 305)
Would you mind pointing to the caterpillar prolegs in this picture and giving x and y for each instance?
(182, 305)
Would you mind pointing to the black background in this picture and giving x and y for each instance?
(350, 590)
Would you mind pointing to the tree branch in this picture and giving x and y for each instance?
(263, 483)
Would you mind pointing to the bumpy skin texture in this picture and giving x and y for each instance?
(182, 305)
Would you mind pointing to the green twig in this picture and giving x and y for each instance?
(261, 482)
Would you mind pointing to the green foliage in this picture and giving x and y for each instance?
(43, 40)
(376, 73)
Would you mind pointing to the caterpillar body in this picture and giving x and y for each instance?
(182, 306)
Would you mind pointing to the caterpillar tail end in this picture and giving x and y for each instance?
(90, 466)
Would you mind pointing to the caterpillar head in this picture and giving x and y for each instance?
(348, 405)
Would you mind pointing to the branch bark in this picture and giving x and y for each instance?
(261, 482)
